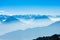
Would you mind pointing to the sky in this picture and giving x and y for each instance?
(41, 7)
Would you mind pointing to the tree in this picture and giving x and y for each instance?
(53, 37)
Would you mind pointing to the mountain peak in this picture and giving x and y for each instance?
(57, 23)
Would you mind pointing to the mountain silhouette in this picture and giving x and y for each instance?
(41, 17)
(56, 24)
(53, 37)
(2, 17)
(32, 16)
(32, 33)
(10, 19)
(16, 18)
(7, 19)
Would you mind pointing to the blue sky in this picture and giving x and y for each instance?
(25, 6)
(30, 2)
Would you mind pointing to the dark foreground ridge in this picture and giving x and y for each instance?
(53, 37)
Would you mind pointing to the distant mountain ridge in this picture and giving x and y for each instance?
(30, 34)
(8, 19)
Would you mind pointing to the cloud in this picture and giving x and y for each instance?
(23, 25)
(2, 11)
(33, 10)
(55, 19)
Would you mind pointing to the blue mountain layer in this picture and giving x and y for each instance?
(30, 34)
(10, 19)
(13, 18)
(31, 16)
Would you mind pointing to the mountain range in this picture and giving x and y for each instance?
(16, 18)
(32, 33)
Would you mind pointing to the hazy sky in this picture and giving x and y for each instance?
(30, 7)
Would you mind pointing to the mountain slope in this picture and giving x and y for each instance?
(30, 34)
